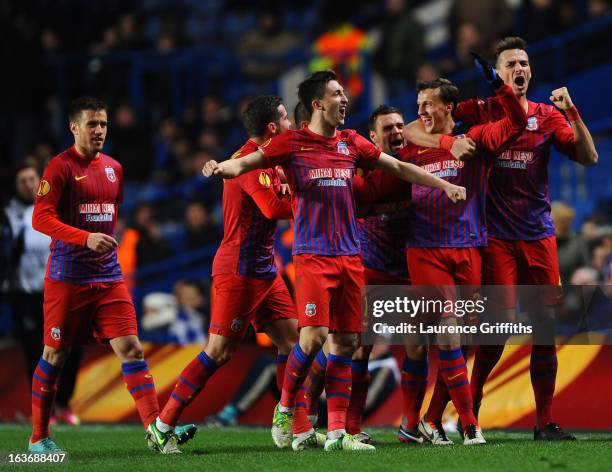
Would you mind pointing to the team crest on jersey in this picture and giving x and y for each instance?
(236, 325)
(311, 309)
(532, 123)
(110, 173)
(343, 148)
(56, 333)
(264, 179)
(43, 188)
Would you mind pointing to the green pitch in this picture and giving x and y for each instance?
(122, 448)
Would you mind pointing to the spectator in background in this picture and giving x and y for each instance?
(129, 35)
(401, 49)
(201, 231)
(540, 19)
(131, 144)
(602, 262)
(468, 38)
(177, 318)
(191, 324)
(151, 246)
(167, 134)
(270, 38)
(598, 8)
(491, 19)
(216, 117)
(571, 248)
(29, 253)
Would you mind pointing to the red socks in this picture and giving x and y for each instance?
(281, 363)
(543, 369)
(414, 385)
(43, 395)
(359, 394)
(298, 364)
(453, 372)
(139, 383)
(190, 382)
(338, 381)
(315, 383)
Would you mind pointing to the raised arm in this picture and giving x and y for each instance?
(232, 168)
(416, 175)
(579, 143)
(494, 136)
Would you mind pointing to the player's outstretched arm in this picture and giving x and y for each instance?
(583, 145)
(416, 175)
(233, 168)
(459, 148)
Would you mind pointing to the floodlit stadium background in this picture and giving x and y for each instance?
(176, 75)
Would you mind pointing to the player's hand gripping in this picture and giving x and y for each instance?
(222, 169)
(561, 98)
(455, 192)
(463, 148)
(101, 243)
(487, 70)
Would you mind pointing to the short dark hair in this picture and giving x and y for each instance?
(259, 112)
(84, 103)
(449, 93)
(509, 42)
(314, 87)
(301, 114)
(381, 111)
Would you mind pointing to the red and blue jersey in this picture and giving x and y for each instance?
(78, 196)
(437, 221)
(518, 203)
(248, 237)
(383, 234)
(320, 171)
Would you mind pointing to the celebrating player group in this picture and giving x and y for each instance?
(485, 219)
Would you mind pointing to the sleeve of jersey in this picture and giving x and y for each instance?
(494, 136)
(271, 206)
(376, 187)
(468, 111)
(258, 185)
(45, 218)
(277, 150)
(563, 134)
(368, 153)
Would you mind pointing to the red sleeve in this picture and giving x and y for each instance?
(494, 136)
(277, 150)
(45, 218)
(469, 111)
(377, 186)
(563, 134)
(368, 153)
(258, 184)
(271, 206)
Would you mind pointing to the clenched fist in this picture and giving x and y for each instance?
(210, 168)
(463, 148)
(455, 192)
(101, 243)
(561, 98)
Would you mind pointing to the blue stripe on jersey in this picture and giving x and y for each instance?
(437, 222)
